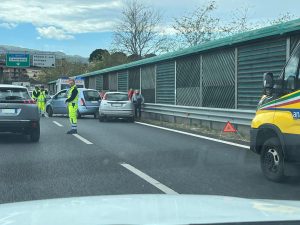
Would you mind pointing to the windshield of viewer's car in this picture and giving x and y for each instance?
(149, 111)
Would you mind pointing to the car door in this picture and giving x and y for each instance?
(58, 102)
(287, 108)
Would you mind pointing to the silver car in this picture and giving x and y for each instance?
(116, 105)
(18, 112)
(88, 103)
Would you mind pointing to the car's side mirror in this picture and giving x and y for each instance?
(291, 84)
(268, 83)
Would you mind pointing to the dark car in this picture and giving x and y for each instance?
(18, 112)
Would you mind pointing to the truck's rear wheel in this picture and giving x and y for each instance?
(272, 160)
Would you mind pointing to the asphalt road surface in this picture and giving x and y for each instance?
(128, 158)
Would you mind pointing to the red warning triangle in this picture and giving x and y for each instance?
(229, 128)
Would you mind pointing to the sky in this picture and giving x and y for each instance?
(77, 27)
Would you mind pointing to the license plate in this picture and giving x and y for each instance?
(117, 105)
(8, 111)
(95, 102)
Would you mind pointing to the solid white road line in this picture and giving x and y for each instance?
(196, 135)
(57, 123)
(82, 139)
(149, 179)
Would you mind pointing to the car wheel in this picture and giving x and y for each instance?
(131, 120)
(272, 160)
(49, 111)
(35, 134)
(78, 115)
(96, 115)
(101, 118)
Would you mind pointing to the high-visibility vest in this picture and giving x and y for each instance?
(75, 100)
(42, 96)
(34, 93)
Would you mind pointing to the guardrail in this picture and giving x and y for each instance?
(239, 117)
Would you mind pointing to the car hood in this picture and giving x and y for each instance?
(147, 209)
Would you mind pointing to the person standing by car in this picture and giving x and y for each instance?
(137, 100)
(42, 101)
(35, 93)
(130, 93)
(72, 102)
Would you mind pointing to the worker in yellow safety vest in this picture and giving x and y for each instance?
(42, 101)
(72, 102)
(35, 93)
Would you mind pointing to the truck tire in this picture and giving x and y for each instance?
(272, 160)
(35, 134)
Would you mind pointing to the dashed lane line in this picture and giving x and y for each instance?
(57, 123)
(149, 179)
(82, 139)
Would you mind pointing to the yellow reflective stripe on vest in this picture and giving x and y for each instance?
(70, 93)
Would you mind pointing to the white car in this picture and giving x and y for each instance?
(116, 105)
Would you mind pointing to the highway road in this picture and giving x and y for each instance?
(128, 158)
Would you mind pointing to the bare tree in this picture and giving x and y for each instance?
(198, 27)
(282, 18)
(137, 32)
(240, 23)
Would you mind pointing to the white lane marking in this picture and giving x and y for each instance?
(196, 135)
(57, 123)
(149, 179)
(82, 139)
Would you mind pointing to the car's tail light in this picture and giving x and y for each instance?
(82, 102)
(29, 102)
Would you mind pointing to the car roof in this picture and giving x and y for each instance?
(116, 92)
(11, 86)
(86, 89)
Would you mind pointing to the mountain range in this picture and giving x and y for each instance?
(58, 54)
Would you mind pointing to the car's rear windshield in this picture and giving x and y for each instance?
(117, 97)
(12, 94)
(91, 95)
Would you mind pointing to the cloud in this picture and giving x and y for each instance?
(59, 19)
(54, 33)
(8, 25)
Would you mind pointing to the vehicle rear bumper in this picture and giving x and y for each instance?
(88, 110)
(116, 113)
(19, 126)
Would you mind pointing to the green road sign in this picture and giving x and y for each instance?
(17, 60)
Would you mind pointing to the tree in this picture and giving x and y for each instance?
(98, 55)
(198, 27)
(282, 18)
(137, 33)
(63, 68)
(134, 57)
(240, 23)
